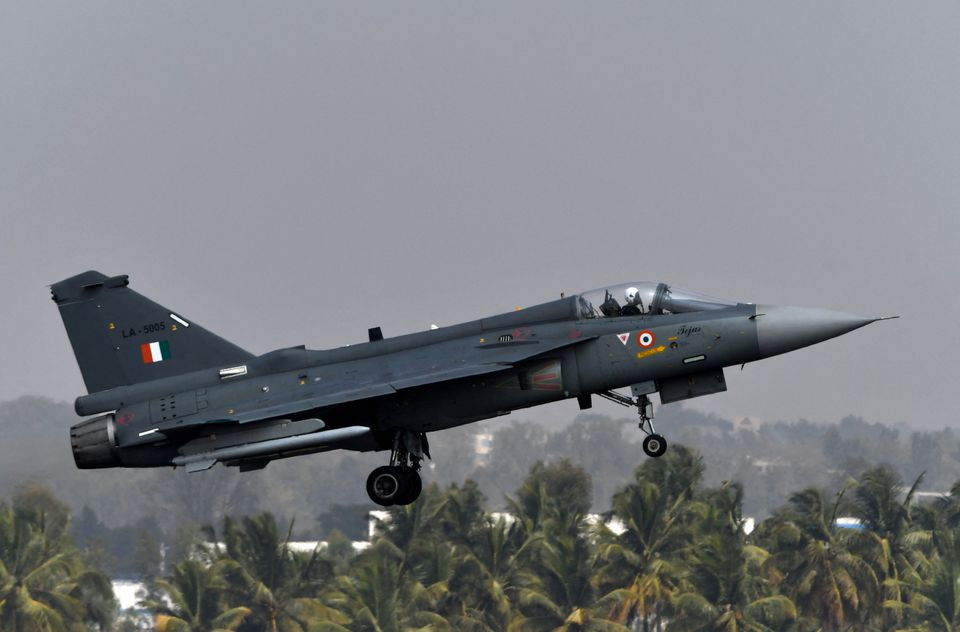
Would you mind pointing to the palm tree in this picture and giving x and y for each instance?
(934, 599)
(436, 536)
(563, 595)
(887, 537)
(728, 586)
(283, 590)
(552, 499)
(828, 582)
(473, 599)
(697, 614)
(462, 515)
(43, 585)
(488, 575)
(638, 573)
(415, 527)
(555, 591)
(531, 509)
(648, 596)
(949, 506)
(382, 595)
(504, 548)
(193, 600)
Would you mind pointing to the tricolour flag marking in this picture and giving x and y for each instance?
(155, 351)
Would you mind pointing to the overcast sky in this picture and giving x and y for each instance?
(296, 173)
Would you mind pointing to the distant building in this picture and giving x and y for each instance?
(614, 524)
(482, 447)
(309, 546)
(128, 594)
(764, 466)
(374, 519)
(746, 423)
(301, 546)
(927, 496)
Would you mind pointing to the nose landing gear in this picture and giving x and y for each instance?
(399, 482)
(654, 445)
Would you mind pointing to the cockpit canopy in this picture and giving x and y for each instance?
(645, 297)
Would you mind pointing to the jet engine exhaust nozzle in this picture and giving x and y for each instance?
(94, 443)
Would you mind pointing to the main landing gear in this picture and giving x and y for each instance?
(653, 444)
(399, 483)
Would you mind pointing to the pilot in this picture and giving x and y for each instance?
(610, 307)
(634, 304)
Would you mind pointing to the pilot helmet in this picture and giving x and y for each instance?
(632, 295)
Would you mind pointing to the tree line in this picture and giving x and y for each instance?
(771, 459)
(680, 559)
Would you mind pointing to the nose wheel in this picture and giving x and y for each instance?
(654, 445)
(399, 483)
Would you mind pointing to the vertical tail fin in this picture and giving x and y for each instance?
(120, 337)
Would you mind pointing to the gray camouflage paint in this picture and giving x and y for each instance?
(185, 409)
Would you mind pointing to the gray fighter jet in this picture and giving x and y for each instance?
(177, 394)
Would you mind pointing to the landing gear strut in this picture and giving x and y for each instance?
(399, 483)
(653, 444)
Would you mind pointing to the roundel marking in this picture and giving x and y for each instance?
(646, 338)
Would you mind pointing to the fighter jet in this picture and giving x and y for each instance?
(175, 394)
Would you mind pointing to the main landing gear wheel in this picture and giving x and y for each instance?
(412, 486)
(399, 483)
(654, 445)
(385, 485)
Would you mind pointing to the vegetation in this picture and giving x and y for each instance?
(45, 583)
(771, 459)
(671, 554)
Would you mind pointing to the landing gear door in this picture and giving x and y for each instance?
(643, 388)
(693, 385)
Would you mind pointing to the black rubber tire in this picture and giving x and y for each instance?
(654, 445)
(412, 486)
(386, 485)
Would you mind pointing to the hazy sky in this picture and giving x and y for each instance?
(296, 173)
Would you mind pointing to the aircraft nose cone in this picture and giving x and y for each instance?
(783, 328)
